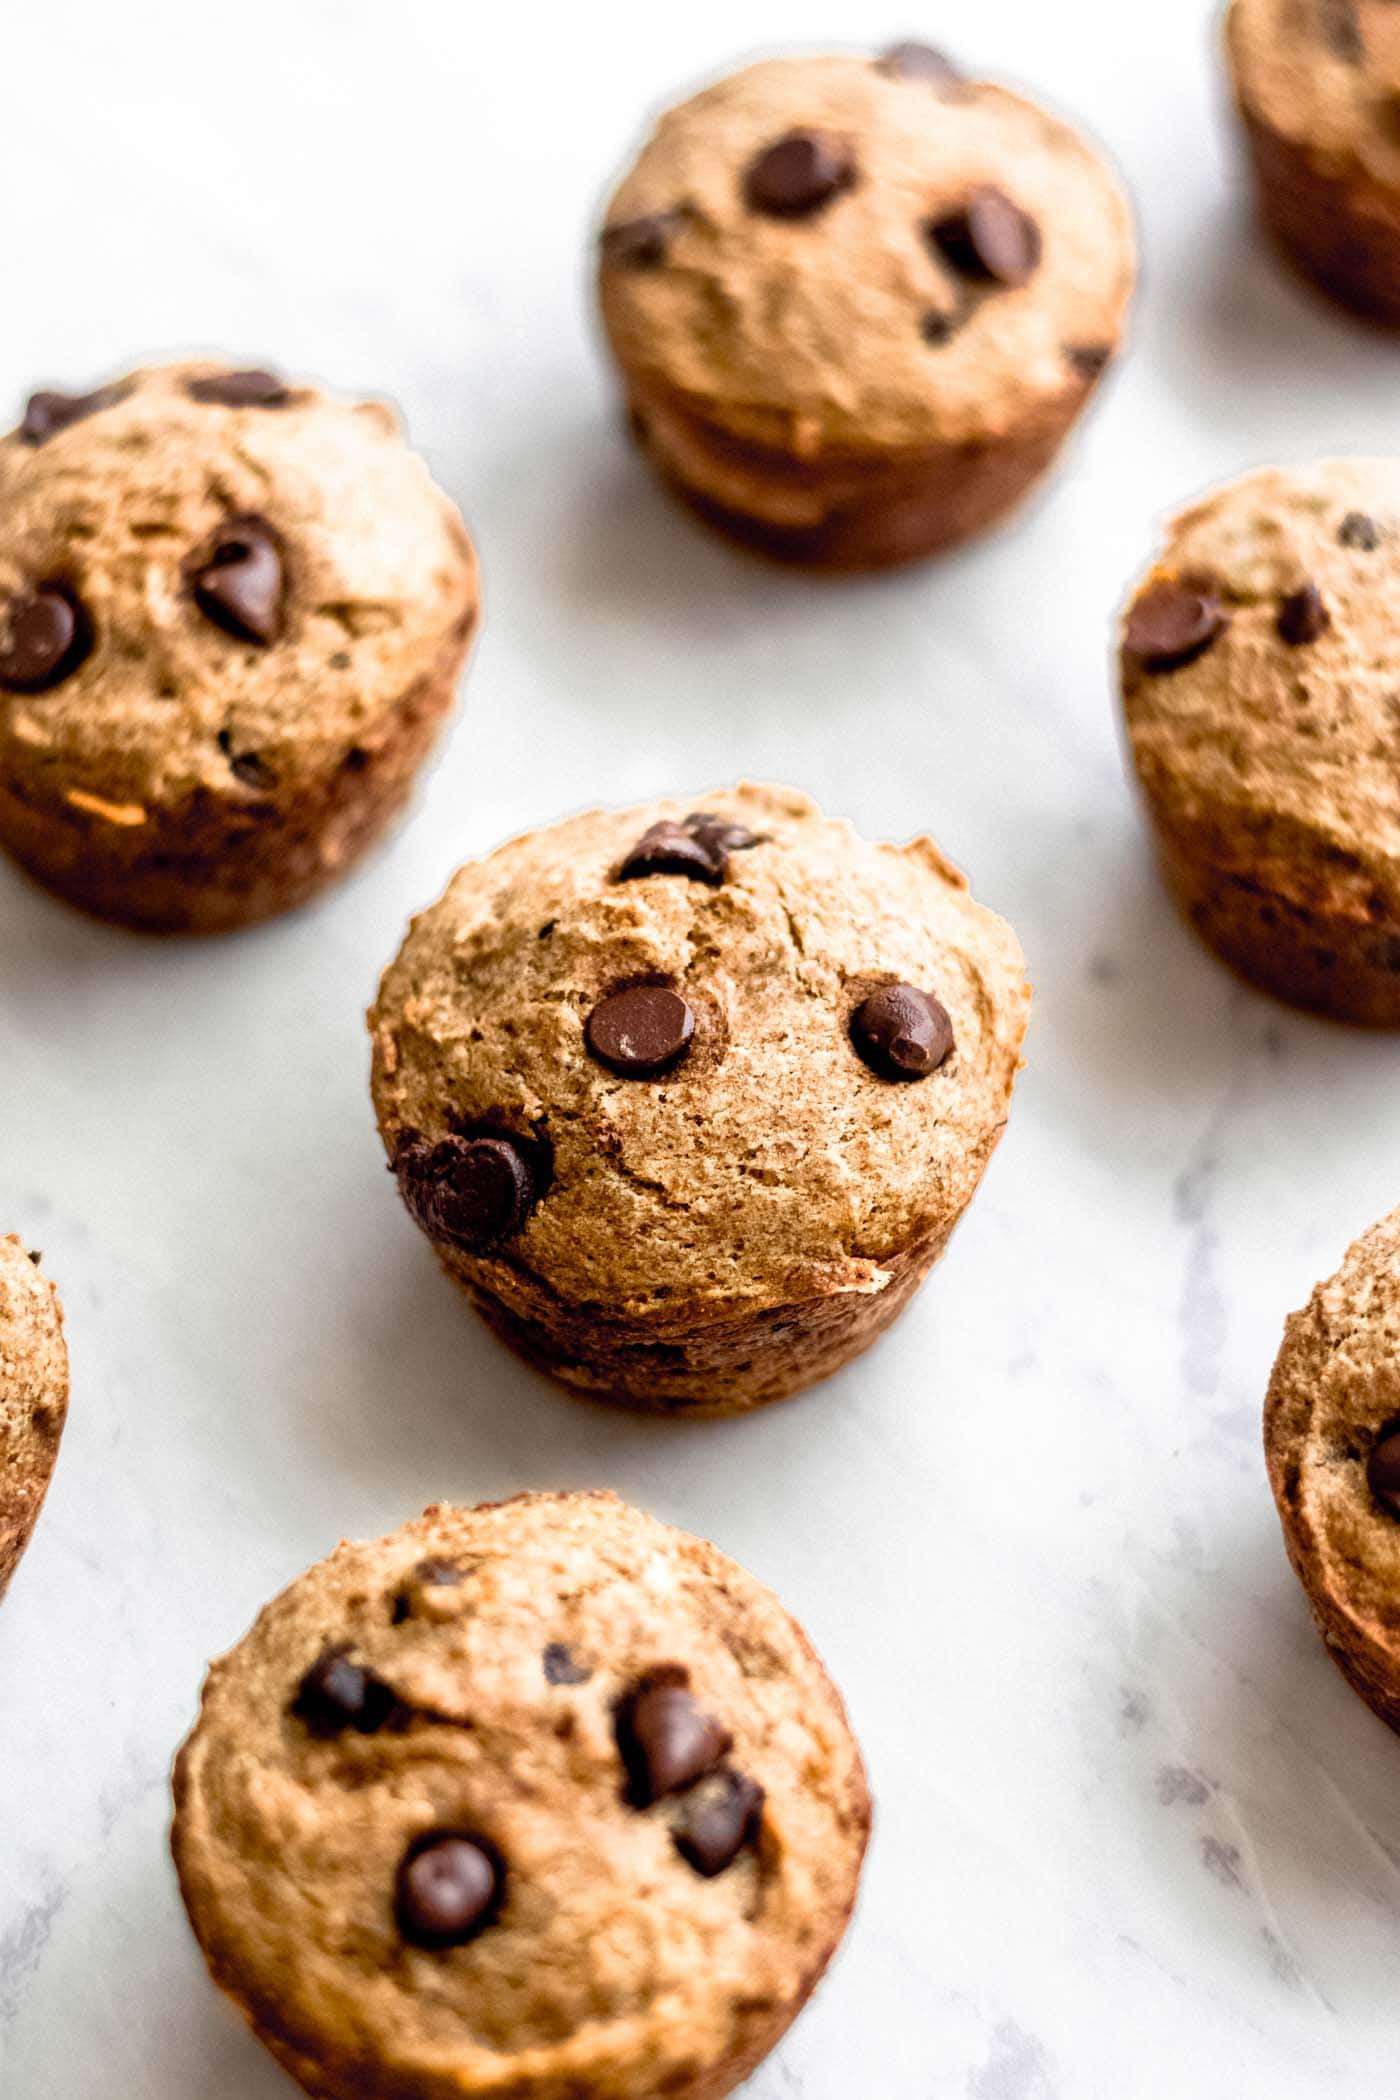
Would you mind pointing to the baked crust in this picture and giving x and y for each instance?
(33, 1396)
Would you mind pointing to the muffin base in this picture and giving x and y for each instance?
(1327, 961)
(1341, 231)
(726, 1366)
(850, 514)
(211, 864)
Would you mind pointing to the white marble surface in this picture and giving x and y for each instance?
(1135, 1837)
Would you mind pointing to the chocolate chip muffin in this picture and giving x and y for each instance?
(690, 1097)
(1317, 83)
(858, 302)
(232, 614)
(33, 1396)
(528, 1801)
(1260, 666)
(1332, 1439)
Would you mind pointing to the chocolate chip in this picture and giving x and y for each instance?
(254, 772)
(901, 1032)
(1302, 616)
(668, 848)
(798, 175)
(49, 634)
(910, 61)
(254, 389)
(413, 1599)
(449, 1887)
(718, 1820)
(46, 414)
(1340, 29)
(1173, 623)
(1359, 532)
(666, 1740)
(469, 1191)
(989, 238)
(644, 243)
(937, 328)
(239, 584)
(1088, 359)
(560, 1667)
(1383, 1470)
(722, 833)
(641, 1030)
(336, 1694)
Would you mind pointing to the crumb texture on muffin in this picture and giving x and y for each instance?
(33, 1395)
(507, 1649)
(1325, 74)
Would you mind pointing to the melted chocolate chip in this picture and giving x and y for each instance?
(640, 1031)
(911, 61)
(668, 848)
(1303, 617)
(798, 175)
(254, 389)
(560, 1666)
(336, 1694)
(990, 238)
(1172, 624)
(1360, 533)
(718, 1820)
(46, 414)
(901, 1032)
(239, 584)
(1088, 359)
(644, 243)
(722, 834)
(427, 1576)
(1383, 1470)
(469, 1191)
(449, 1887)
(666, 1740)
(49, 634)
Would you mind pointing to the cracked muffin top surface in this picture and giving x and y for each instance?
(742, 1053)
(865, 253)
(543, 1791)
(1261, 667)
(214, 580)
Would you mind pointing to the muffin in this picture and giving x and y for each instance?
(528, 1801)
(858, 303)
(1332, 1439)
(232, 615)
(690, 1097)
(33, 1396)
(1260, 665)
(1317, 84)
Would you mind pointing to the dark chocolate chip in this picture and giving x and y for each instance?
(254, 772)
(901, 1032)
(798, 175)
(644, 243)
(990, 238)
(470, 1191)
(1359, 532)
(1383, 1470)
(1088, 359)
(239, 584)
(911, 61)
(48, 636)
(1303, 616)
(46, 414)
(449, 1887)
(938, 328)
(723, 833)
(640, 1031)
(427, 1575)
(1340, 29)
(560, 1666)
(668, 848)
(666, 1739)
(242, 390)
(336, 1694)
(718, 1820)
(1172, 624)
